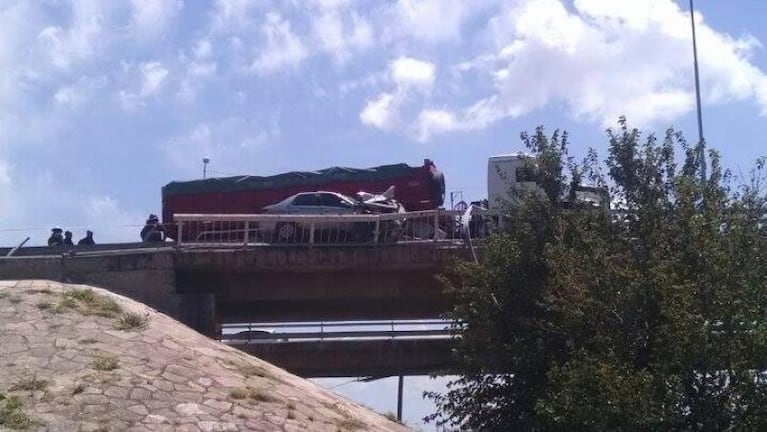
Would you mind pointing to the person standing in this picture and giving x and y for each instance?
(68, 238)
(153, 230)
(87, 240)
(56, 238)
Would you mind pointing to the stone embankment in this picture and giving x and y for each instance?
(78, 358)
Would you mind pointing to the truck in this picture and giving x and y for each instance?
(417, 188)
(510, 173)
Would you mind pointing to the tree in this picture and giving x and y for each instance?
(573, 320)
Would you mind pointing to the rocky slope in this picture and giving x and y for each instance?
(77, 358)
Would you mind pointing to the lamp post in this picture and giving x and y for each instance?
(205, 161)
(701, 141)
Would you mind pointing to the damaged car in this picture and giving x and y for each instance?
(332, 231)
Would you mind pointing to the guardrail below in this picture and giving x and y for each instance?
(281, 332)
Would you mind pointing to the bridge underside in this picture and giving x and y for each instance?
(350, 358)
(318, 296)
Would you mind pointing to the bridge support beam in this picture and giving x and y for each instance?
(349, 358)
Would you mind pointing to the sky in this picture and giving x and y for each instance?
(104, 102)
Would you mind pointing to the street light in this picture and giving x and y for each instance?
(205, 161)
(701, 142)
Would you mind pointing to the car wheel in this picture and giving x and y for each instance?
(285, 232)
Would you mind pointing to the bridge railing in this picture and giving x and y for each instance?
(366, 330)
(253, 229)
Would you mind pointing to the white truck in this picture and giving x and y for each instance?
(507, 175)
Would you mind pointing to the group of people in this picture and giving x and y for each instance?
(153, 232)
(60, 237)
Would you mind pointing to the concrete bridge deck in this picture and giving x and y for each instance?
(207, 287)
(203, 287)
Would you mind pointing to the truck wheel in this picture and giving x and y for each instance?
(285, 232)
(437, 187)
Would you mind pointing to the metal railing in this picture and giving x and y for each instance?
(253, 229)
(357, 330)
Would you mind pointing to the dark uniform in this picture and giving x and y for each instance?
(87, 240)
(56, 238)
(153, 231)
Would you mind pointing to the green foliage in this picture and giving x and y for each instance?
(29, 382)
(105, 363)
(129, 321)
(12, 413)
(576, 320)
(87, 302)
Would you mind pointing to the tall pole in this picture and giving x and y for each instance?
(205, 161)
(399, 398)
(701, 142)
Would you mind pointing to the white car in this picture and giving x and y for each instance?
(312, 203)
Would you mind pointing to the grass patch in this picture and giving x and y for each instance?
(251, 393)
(250, 370)
(238, 393)
(260, 395)
(79, 388)
(4, 294)
(85, 295)
(87, 302)
(350, 424)
(104, 363)
(15, 300)
(64, 304)
(29, 382)
(392, 417)
(12, 414)
(41, 291)
(129, 321)
(44, 305)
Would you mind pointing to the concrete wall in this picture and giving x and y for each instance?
(201, 287)
(147, 277)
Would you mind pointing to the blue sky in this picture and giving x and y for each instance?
(103, 102)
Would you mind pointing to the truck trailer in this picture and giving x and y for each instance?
(417, 188)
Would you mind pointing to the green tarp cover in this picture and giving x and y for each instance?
(241, 183)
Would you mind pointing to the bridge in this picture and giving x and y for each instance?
(232, 276)
(340, 349)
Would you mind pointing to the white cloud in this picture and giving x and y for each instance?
(233, 144)
(151, 17)
(202, 49)
(407, 71)
(233, 16)
(80, 92)
(380, 112)
(283, 48)
(602, 60)
(340, 34)
(431, 120)
(429, 21)
(151, 76)
(407, 74)
(82, 39)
